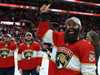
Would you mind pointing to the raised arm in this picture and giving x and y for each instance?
(44, 30)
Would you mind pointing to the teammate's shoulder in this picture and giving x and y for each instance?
(1, 42)
(35, 42)
(85, 43)
(61, 33)
(21, 44)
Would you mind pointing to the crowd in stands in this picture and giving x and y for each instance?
(58, 5)
(88, 22)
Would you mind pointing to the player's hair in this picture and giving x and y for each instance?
(99, 42)
(95, 38)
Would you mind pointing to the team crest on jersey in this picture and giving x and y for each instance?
(4, 53)
(63, 57)
(91, 56)
(28, 54)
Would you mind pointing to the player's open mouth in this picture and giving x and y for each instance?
(71, 32)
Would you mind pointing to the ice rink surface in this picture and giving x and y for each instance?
(44, 67)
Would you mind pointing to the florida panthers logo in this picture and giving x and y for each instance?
(28, 55)
(63, 57)
(4, 53)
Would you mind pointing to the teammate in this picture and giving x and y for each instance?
(70, 56)
(7, 65)
(93, 38)
(29, 56)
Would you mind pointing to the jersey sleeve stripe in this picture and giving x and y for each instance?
(88, 64)
(19, 57)
(39, 53)
(48, 37)
(76, 57)
(53, 56)
(45, 34)
(88, 69)
(74, 63)
(52, 60)
(89, 74)
(73, 69)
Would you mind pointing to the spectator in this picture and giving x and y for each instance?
(93, 38)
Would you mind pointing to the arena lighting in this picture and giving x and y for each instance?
(54, 10)
(7, 22)
(18, 6)
(11, 23)
(82, 2)
(73, 12)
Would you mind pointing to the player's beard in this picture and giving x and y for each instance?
(71, 38)
(7, 41)
(26, 40)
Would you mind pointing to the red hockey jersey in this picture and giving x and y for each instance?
(29, 56)
(7, 54)
(68, 59)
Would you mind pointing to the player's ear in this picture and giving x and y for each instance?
(24, 37)
(10, 39)
(80, 27)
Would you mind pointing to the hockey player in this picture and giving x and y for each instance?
(29, 56)
(7, 65)
(70, 55)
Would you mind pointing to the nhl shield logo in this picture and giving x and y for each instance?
(28, 55)
(63, 57)
(4, 54)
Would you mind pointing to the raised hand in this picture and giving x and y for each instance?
(44, 8)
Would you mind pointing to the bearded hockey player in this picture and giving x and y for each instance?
(70, 55)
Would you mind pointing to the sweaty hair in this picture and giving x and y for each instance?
(95, 38)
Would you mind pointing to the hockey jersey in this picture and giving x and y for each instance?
(68, 59)
(29, 56)
(7, 54)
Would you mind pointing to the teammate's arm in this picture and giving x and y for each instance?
(44, 30)
(13, 45)
(39, 54)
(88, 60)
(19, 60)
